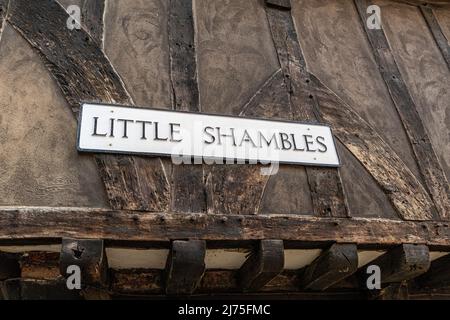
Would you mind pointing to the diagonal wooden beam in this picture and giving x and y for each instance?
(325, 183)
(84, 73)
(185, 266)
(402, 263)
(263, 265)
(314, 99)
(436, 31)
(405, 192)
(187, 180)
(333, 265)
(429, 166)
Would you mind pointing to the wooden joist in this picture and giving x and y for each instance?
(9, 266)
(263, 264)
(332, 266)
(402, 263)
(27, 224)
(437, 276)
(92, 13)
(185, 266)
(90, 256)
(434, 177)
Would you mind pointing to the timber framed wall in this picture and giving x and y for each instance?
(305, 231)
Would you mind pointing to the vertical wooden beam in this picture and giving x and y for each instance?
(325, 183)
(436, 31)
(401, 263)
(84, 73)
(185, 266)
(437, 276)
(188, 188)
(332, 266)
(264, 264)
(90, 256)
(429, 166)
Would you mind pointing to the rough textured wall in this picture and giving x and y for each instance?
(39, 164)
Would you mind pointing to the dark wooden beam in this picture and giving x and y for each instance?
(264, 263)
(282, 4)
(402, 263)
(187, 180)
(332, 266)
(427, 160)
(185, 266)
(84, 73)
(437, 276)
(92, 13)
(9, 266)
(32, 289)
(325, 183)
(21, 224)
(436, 31)
(90, 256)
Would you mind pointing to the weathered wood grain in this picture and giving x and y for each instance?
(406, 193)
(87, 254)
(264, 264)
(325, 184)
(185, 266)
(401, 263)
(429, 166)
(332, 266)
(235, 59)
(84, 74)
(436, 30)
(53, 223)
(188, 188)
(351, 72)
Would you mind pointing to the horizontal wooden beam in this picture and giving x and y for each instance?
(21, 224)
(264, 264)
(332, 266)
(185, 266)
